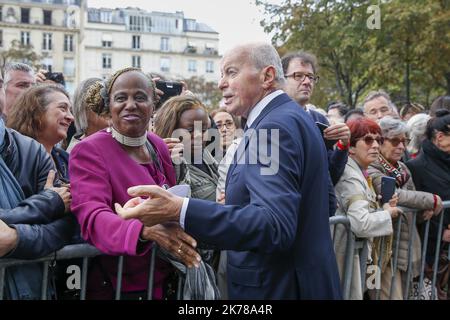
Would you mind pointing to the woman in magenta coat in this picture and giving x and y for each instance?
(102, 168)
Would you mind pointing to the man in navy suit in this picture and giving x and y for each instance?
(275, 221)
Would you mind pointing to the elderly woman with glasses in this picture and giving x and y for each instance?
(394, 132)
(358, 201)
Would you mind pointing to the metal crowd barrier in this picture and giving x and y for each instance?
(86, 252)
(352, 247)
(424, 240)
(349, 250)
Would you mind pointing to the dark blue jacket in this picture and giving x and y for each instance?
(276, 226)
(41, 224)
(337, 159)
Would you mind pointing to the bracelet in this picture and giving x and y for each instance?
(435, 202)
(341, 147)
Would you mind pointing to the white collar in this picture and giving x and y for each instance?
(259, 107)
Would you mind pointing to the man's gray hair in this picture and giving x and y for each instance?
(380, 93)
(79, 105)
(16, 66)
(391, 127)
(263, 55)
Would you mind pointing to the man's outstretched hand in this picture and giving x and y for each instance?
(160, 206)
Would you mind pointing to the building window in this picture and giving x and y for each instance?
(1, 13)
(136, 43)
(209, 66)
(106, 16)
(25, 38)
(25, 15)
(47, 64)
(106, 44)
(68, 43)
(69, 67)
(11, 15)
(1, 38)
(47, 42)
(47, 17)
(106, 61)
(139, 23)
(192, 66)
(136, 61)
(164, 64)
(191, 47)
(70, 87)
(164, 44)
(210, 49)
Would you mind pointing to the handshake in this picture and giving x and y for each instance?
(159, 211)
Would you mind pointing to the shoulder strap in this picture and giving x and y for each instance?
(154, 156)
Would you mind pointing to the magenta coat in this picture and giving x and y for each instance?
(100, 173)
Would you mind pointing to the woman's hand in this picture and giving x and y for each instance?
(394, 200)
(427, 214)
(391, 206)
(176, 148)
(221, 198)
(171, 237)
(8, 238)
(63, 191)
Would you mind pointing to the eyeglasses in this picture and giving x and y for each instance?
(396, 141)
(227, 124)
(369, 140)
(300, 77)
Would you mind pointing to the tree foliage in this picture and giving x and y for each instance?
(20, 53)
(409, 53)
(206, 91)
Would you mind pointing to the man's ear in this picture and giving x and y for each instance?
(268, 76)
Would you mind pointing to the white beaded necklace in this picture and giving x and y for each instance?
(128, 141)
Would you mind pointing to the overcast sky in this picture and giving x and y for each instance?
(237, 21)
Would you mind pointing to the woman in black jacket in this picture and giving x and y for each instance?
(431, 173)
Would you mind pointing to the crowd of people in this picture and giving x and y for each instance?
(262, 226)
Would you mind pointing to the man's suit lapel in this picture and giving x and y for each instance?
(240, 152)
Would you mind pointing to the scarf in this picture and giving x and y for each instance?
(397, 172)
(381, 247)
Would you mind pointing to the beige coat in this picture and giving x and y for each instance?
(358, 202)
(408, 197)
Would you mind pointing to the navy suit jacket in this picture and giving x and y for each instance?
(337, 159)
(276, 227)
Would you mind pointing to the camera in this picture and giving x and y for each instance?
(57, 77)
(170, 89)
